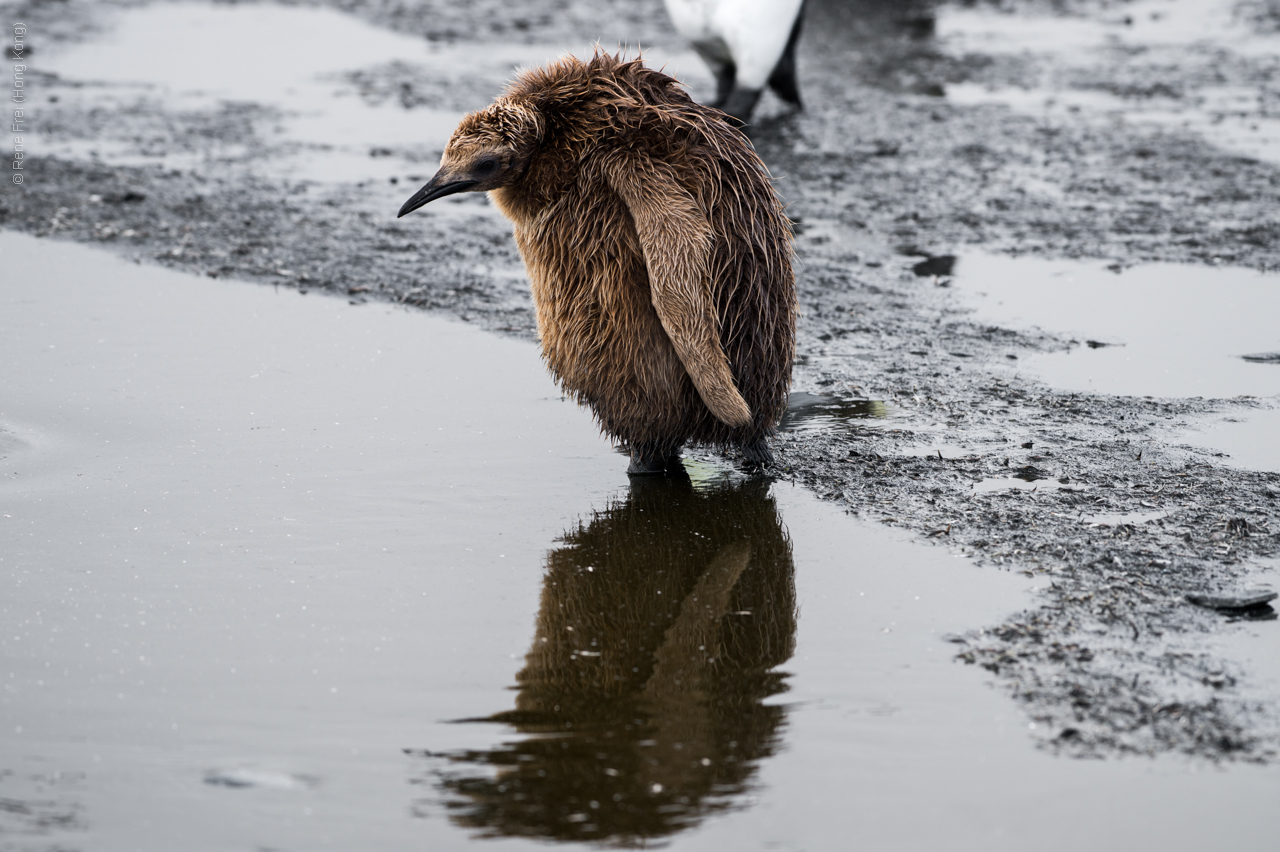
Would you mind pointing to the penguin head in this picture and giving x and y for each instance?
(490, 149)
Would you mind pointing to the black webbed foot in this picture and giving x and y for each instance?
(654, 459)
(756, 455)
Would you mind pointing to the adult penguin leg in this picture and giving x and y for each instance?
(740, 104)
(721, 63)
(783, 79)
(725, 72)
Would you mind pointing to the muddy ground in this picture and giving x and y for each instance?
(880, 171)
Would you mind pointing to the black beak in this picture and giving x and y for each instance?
(433, 190)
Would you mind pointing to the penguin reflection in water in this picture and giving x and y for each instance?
(661, 624)
(656, 247)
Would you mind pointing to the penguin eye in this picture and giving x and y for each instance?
(486, 166)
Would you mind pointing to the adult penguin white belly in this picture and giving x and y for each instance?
(749, 44)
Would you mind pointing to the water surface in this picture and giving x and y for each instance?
(311, 71)
(279, 571)
(1149, 34)
(1161, 329)
(1246, 436)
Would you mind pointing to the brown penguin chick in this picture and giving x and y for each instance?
(656, 246)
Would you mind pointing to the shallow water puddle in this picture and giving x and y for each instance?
(1141, 25)
(310, 65)
(1017, 483)
(192, 56)
(807, 412)
(1164, 330)
(1171, 330)
(1118, 519)
(1249, 437)
(263, 550)
(1226, 117)
(1149, 32)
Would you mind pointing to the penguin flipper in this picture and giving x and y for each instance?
(679, 668)
(676, 238)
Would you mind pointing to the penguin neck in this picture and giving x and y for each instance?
(550, 173)
(516, 203)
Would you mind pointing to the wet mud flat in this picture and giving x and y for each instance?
(1110, 496)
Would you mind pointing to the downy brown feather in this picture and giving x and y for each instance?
(657, 250)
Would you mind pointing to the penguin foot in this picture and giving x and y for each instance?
(757, 456)
(654, 460)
